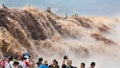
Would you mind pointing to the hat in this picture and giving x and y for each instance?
(26, 56)
(45, 62)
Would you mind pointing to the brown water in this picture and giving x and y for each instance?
(83, 39)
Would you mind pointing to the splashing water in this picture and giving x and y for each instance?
(83, 39)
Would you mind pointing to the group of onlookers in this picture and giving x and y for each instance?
(24, 60)
(19, 60)
(67, 63)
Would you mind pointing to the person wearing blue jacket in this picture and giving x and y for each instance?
(44, 65)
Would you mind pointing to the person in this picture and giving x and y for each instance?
(44, 65)
(82, 65)
(27, 61)
(15, 58)
(21, 62)
(39, 62)
(3, 62)
(92, 65)
(16, 65)
(69, 64)
(54, 64)
(7, 63)
(11, 61)
(65, 58)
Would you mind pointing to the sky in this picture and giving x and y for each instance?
(70, 7)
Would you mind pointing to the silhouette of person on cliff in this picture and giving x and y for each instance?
(3, 5)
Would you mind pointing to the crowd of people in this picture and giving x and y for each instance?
(19, 60)
(24, 60)
(67, 63)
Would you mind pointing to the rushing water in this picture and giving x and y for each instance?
(83, 39)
